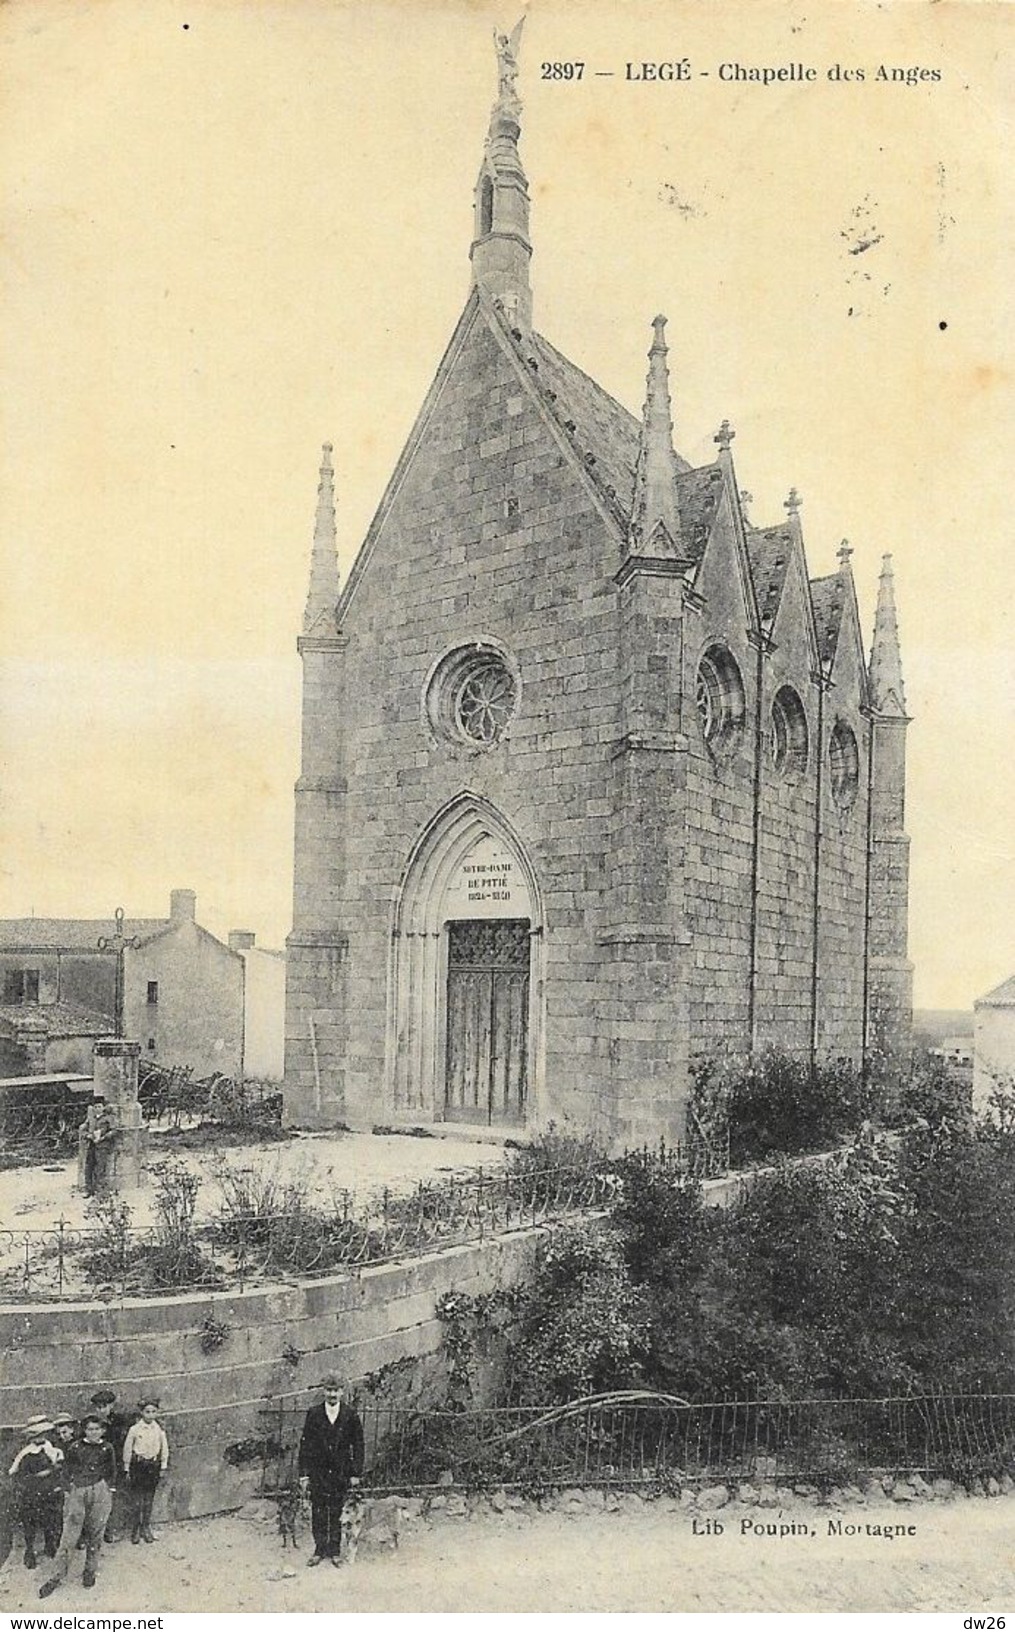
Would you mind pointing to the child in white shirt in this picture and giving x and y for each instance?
(145, 1459)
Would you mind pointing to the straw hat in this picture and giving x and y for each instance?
(36, 1426)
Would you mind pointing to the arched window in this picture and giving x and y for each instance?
(719, 696)
(788, 735)
(486, 207)
(843, 766)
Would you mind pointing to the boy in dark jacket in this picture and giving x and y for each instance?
(330, 1463)
(115, 1425)
(89, 1471)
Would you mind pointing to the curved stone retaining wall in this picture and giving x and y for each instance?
(56, 1355)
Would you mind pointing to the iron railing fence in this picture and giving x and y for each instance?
(638, 1441)
(237, 1249)
(40, 1124)
(250, 1242)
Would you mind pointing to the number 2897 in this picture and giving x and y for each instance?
(562, 70)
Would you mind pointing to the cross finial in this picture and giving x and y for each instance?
(793, 502)
(118, 943)
(844, 552)
(724, 436)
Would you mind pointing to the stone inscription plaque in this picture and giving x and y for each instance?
(487, 883)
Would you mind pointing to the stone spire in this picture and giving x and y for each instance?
(655, 518)
(322, 594)
(887, 691)
(501, 249)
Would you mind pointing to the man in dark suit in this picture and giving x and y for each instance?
(330, 1464)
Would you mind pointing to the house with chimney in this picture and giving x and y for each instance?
(181, 995)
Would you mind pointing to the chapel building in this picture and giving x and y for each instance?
(596, 779)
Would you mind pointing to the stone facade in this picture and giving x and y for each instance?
(569, 690)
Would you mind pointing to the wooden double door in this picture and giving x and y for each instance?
(487, 1020)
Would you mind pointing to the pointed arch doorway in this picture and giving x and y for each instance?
(465, 987)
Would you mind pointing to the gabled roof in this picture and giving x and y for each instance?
(1002, 997)
(698, 495)
(828, 599)
(71, 934)
(602, 427)
(600, 433)
(769, 550)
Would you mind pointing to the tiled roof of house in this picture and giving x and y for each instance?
(60, 1019)
(1002, 997)
(71, 934)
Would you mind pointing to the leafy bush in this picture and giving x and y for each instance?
(554, 1150)
(277, 1225)
(776, 1104)
(581, 1326)
(928, 1091)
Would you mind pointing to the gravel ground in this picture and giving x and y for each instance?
(641, 1557)
(35, 1197)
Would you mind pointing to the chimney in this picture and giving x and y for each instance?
(240, 940)
(182, 904)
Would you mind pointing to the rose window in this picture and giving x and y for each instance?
(485, 702)
(472, 696)
(719, 697)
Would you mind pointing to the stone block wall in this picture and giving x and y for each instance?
(786, 834)
(56, 1356)
(453, 562)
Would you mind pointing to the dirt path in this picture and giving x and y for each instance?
(962, 1558)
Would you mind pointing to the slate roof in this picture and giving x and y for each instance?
(601, 427)
(1002, 997)
(698, 493)
(71, 934)
(769, 550)
(828, 599)
(39, 1079)
(598, 424)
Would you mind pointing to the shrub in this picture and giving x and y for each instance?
(582, 1323)
(556, 1149)
(776, 1104)
(277, 1225)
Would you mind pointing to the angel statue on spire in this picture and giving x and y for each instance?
(507, 61)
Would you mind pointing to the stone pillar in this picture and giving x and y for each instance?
(114, 1074)
(644, 937)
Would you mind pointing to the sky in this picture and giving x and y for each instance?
(235, 231)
